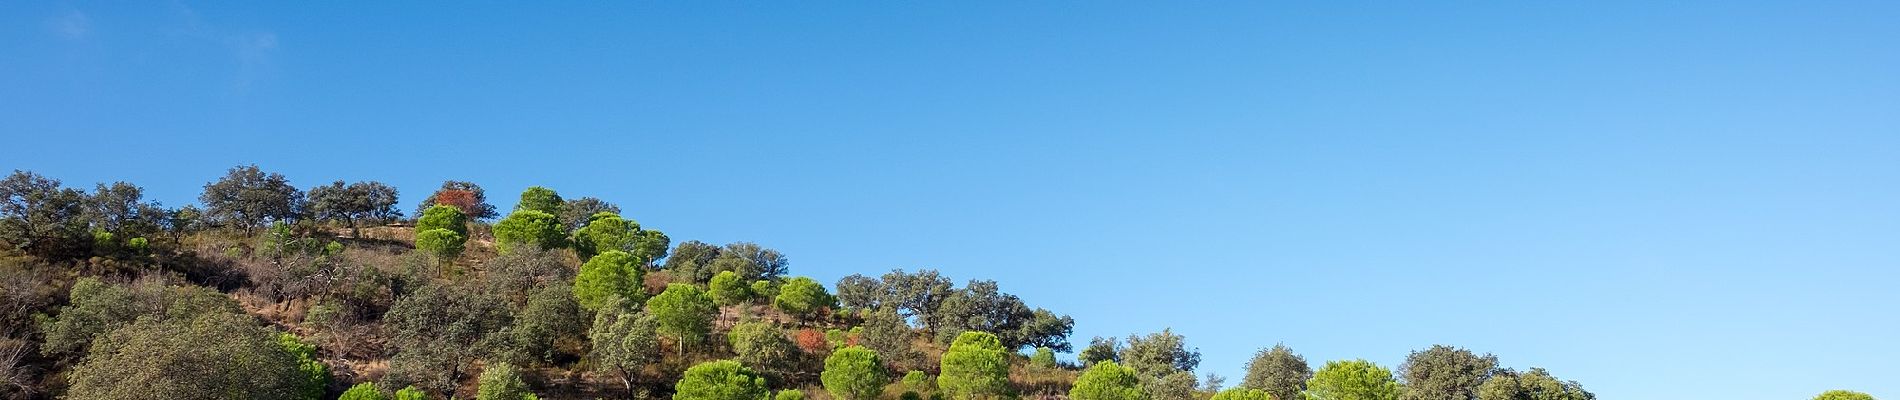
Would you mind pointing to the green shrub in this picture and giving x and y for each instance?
(363, 391)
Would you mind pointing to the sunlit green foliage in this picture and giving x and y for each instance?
(720, 380)
(611, 276)
(854, 373)
(803, 296)
(529, 228)
(975, 367)
(684, 312)
(1352, 380)
(1107, 380)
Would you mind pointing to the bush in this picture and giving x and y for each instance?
(763, 347)
(1241, 393)
(502, 381)
(789, 394)
(1107, 380)
(410, 393)
(720, 380)
(216, 355)
(316, 376)
(917, 381)
(363, 391)
(1044, 358)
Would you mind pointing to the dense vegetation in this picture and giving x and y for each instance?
(267, 291)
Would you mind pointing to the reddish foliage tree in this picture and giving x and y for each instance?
(811, 341)
(460, 199)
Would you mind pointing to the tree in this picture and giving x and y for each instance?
(765, 348)
(1045, 329)
(529, 228)
(858, 292)
(854, 373)
(1534, 385)
(443, 217)
(363, 391)
(1352, 380)
(607, 232)
(97, 308)
(551, 315)
(624, 343)
(610, 276)
(1177, 385)
(1242, 393)
(502, 381)
(1044, 357)
(789, 394)
(1107, 380)
(315, 376)
(541, 199)
(1100, 349)
(121, 208)
(975, 367)
(1445, 373)
(750, 261)
(916, 295)
(692, 261)
(214, 355)
(514, 275)
(39, 217)
(1159, 354)
(720, 380)
(803, 297)
(1843, 395)
(439, 331)
(360, 201)
(465, 196)
(1278, 371)
(726, 289)
(652, 246)
(980, 306)
(442, 243)
(576, 213)
(886, 333)
(684, 312)
(248, 198)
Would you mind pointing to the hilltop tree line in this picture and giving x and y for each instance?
(265, 290)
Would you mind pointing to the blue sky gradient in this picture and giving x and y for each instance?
(1662, 200)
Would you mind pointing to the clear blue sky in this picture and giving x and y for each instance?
(1662, 200)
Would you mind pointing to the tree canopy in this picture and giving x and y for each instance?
(975, 367)
(1278, 371)
(529, 228)
(684, 312)
(214, 355)
(720, 380)
(855, 373)
(1107, 380)
(1445, 373)
(612, 276)
(1352, 380)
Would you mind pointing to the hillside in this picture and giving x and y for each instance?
(269, 291)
